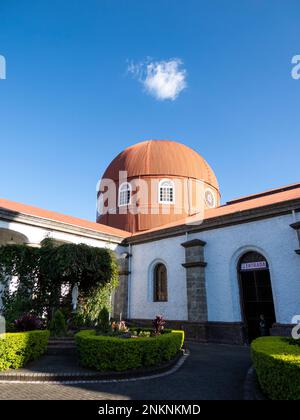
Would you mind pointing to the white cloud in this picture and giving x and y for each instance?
(161, 79)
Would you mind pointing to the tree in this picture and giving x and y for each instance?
(45, 277)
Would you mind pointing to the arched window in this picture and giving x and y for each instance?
(124, 194)
(166, 192)
(160, 283)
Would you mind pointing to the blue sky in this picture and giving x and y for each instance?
(69, 104)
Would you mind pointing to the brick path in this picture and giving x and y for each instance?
(211, 372)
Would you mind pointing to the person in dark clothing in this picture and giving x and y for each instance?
(263, 327)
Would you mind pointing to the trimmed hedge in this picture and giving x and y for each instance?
(118, 354)
(16, 349)
(277, 364)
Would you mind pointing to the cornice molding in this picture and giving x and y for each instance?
(218, 222)
(192, 243)
(194, 264)
(246, 216)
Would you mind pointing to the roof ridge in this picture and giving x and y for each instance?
(263, 193)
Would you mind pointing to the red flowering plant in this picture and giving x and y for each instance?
(28, 322)
(158, 324)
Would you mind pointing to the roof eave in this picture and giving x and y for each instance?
(33, 220)
(218, 222)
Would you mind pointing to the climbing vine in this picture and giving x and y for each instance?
(43, 278)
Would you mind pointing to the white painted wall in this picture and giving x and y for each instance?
(277, 241)
(36, 234)
(273, 237)
(144, 256)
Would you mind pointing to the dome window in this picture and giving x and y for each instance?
(166, 192)
(124, 194)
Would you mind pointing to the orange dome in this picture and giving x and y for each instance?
(150, 204)
(162, 158)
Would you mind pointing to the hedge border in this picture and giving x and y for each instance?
(17, 349)
(277, 364)
(106, 353)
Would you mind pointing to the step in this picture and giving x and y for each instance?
(61, 350)
(61, 343)
(61, 346)
(62, 339)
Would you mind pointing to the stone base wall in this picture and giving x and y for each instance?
(226, 333)
(285, 330)
(205, 332)
(195, 280)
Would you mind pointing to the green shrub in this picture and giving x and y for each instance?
(58, 326)
(277, 363)
(77, 320)
(103, 320)
(16, 349)
(110, 353)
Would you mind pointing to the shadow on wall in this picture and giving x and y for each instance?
(7, 235)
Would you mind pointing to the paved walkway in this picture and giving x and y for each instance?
(211, 372)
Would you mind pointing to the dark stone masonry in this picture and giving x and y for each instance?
(120, 298)
(195, 280)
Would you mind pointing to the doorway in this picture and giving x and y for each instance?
(256, 294)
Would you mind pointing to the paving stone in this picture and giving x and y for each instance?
(211, 372)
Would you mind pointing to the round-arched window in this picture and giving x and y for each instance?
(166, 192)
(124, 194)
(160, 283)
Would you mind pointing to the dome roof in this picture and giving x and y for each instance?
(162, 158)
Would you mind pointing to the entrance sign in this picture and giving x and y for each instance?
(254, 265)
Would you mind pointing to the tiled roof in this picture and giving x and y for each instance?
(290, 192)
(268, 198)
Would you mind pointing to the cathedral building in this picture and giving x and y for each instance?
(214, 270)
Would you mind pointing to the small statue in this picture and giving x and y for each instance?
(75, 294)
(2, 325)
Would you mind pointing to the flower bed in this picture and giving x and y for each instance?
(108, 353)
(277, 364)
(16, 349)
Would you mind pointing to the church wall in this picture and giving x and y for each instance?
(273, 237)
(277, 241)
(144, 257)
